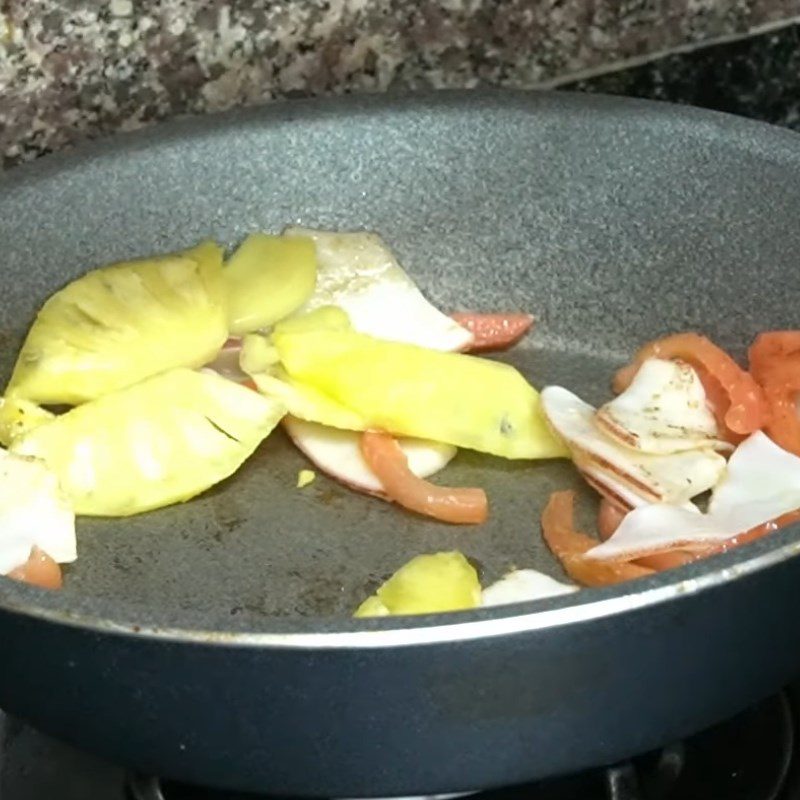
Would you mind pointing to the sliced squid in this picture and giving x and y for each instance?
(337, 453)
(521, 585)
(632, 477)
(664, 410)
(762, 483)
(358, 273)
(738, 401)
(609, 486)
(34, 513)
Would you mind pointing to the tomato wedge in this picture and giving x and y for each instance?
(390, 466)
(737, 399)
(39, 570)
(494, 331)
(775, 364)
(570, 546)
(674, 558)
(772, 346)
(609, 517)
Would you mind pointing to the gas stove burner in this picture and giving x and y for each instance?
(632, 781)
(140, 787)
(746, 758)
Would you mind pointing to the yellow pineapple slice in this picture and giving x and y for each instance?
(155, 443)
(117, 325)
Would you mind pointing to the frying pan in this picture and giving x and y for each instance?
(212, 642)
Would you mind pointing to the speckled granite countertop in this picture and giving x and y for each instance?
(71, 69)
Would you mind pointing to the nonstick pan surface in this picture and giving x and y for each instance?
(611, 221)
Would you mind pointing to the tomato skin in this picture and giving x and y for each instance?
(661, 561)
(570, 546)
(39, 570)
(609, 517)
(389, 464)
(736, 398)
(775, 364)
(493, 331)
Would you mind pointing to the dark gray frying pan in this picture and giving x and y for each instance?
(212, 642)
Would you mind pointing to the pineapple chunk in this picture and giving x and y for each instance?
(427, 584)
(305, 478)
(117, 325)
(324, 318)
(20, 416)
(372, 607)
(161, 441)
(267, 278)
(308, 403)
(259, 359)
(257, 354)
(412, 391)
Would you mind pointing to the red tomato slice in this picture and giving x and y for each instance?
(737, 399)
(38, 570)
(570, 546)
(775, 364)
(494, 331)
(770, 346)
(390, 466)
(661, 561)
(752, 535)
(609, 517)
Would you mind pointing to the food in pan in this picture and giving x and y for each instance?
(120, 324)
(145, 383)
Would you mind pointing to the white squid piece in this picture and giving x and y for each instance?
(521, 585)
(33, 513)
(358, 273)
(664, 410)
(628, 477)
(762, 483)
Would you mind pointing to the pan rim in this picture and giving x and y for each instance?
(343, 633)
(109, 617)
